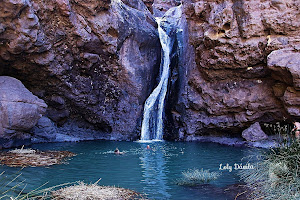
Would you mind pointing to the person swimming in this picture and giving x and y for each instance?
(148, 147)
(118, 152)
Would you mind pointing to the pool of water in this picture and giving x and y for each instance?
(153, 172)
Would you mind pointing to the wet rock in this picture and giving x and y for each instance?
(149, 3)
(159, 7)
(237, 142)
(254, 133)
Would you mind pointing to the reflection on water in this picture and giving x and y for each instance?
(154, 171)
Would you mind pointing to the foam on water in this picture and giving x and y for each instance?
(152, 125)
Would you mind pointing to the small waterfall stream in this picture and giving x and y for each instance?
(152, 125)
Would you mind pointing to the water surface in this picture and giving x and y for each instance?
(153, 172)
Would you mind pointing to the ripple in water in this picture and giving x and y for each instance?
(152, 171)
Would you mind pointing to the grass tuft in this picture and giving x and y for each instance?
(14, 189)
(276, 174)
(194, 177)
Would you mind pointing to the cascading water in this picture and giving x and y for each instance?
(152, 125)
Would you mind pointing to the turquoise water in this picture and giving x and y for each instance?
(153, 172)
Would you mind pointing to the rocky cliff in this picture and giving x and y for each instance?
(238, 75)
(95, 62)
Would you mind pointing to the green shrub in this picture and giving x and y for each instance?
(193, 177)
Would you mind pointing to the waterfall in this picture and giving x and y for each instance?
(152, 125)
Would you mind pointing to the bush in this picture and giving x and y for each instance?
(276, 174)
(193, 177)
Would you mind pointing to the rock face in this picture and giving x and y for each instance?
(228, 84)
(254, 133)
(159, 7)
(44, 131)
(285, 66)
(95, 62)
(20, 111)
(92, 62)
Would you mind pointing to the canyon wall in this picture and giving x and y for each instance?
(95, 62)
(245, 67)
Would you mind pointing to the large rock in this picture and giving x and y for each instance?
(226, 85)
(93, 62)
(285, 66)
(44, 131)
(20, 110)
(254, 133)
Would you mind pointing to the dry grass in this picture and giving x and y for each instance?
(84, 191)
(34, 158)
(276, 174)
(23, 151)
(194, 177)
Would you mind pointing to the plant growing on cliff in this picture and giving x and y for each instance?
(193, 177)
(277, 174)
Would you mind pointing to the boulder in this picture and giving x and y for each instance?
(254, 133)
(284, 64)
(44, 131)
(20, 110)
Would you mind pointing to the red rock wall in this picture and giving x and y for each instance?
(228, 85)
(91, 61)
(96, 61)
